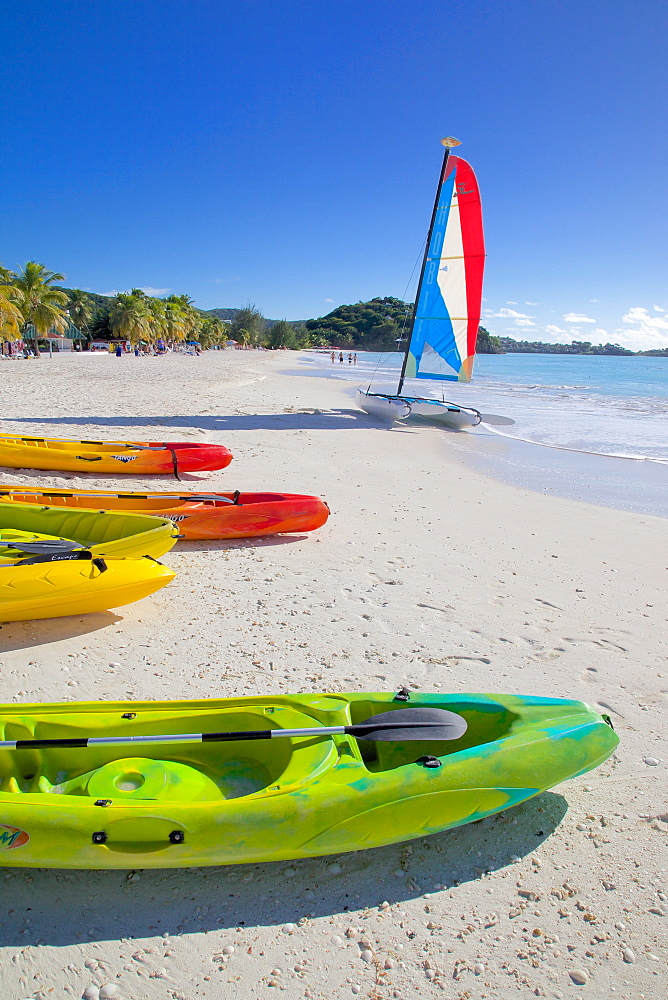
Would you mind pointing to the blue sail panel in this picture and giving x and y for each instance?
(447, 314)
(433, 351)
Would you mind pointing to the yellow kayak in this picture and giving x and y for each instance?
(105, 533)
(137, 458)
(56, 562)
(272, 777)
(75, 584)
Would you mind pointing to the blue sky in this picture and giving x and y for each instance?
(286, 153)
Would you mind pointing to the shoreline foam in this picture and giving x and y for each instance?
(632, 482)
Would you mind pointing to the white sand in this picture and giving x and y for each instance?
(426, 575)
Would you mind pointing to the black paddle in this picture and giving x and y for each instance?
(44, 547)
(400, 726)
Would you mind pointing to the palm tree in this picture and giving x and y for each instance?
(130, 317)
(158, 325)
(190, 319)
(212, 331)
(41, 304)
(11, 318)
(80, 308)
(175, 322)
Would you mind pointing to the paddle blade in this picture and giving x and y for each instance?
(411, 724)
(495, 418)
(45, 547)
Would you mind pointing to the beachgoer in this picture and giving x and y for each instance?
(137, 352)
(333, 357)
(119, 351)
(350, 359)
(354, 359)
(340, 358)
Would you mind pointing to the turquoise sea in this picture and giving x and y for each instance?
(570, 412)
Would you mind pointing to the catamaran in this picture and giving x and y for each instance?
(446, 315)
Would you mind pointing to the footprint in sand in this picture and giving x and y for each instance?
(598, 643)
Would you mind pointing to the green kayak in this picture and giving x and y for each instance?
(165, 784)
(106, 533)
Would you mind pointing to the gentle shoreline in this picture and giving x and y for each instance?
(427, 574)
(624, 483)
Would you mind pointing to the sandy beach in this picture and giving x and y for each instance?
(428, 574)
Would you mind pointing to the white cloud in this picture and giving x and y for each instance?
(601, 333)
(329, 300)
(551, 328)
(658, 309)
(518, 318)
(147, 291)
(511, 303)
(577, 318)
(650, 333)
(639, 315)
(531, 303)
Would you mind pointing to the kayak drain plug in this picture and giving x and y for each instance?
(428, 761)
(99, 837)
(177, 837)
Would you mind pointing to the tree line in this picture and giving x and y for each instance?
(33, 303)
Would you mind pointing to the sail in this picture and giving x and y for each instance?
(447, 315)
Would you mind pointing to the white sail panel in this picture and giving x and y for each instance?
(447, 313)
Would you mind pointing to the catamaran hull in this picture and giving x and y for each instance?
(456, 417)
(386, 408)
(392, 408)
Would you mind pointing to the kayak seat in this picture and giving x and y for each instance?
(193, 772)
(136, 778)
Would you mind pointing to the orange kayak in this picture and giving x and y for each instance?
(197, 515)
(138, 458)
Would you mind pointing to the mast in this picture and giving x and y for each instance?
(448, 142)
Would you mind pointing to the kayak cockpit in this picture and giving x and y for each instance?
(486, 723)
(140, 772)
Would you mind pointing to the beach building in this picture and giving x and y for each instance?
(54, 340)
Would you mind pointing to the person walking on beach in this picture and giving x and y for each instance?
(333, 356)
(340, 357)
(350, 359)
(119, 351)
(354, 359)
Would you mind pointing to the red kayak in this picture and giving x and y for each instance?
(196, 515)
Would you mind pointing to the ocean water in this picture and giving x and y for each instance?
(603, 405)
(564, 408)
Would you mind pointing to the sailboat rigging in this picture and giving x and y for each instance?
(446, 315)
